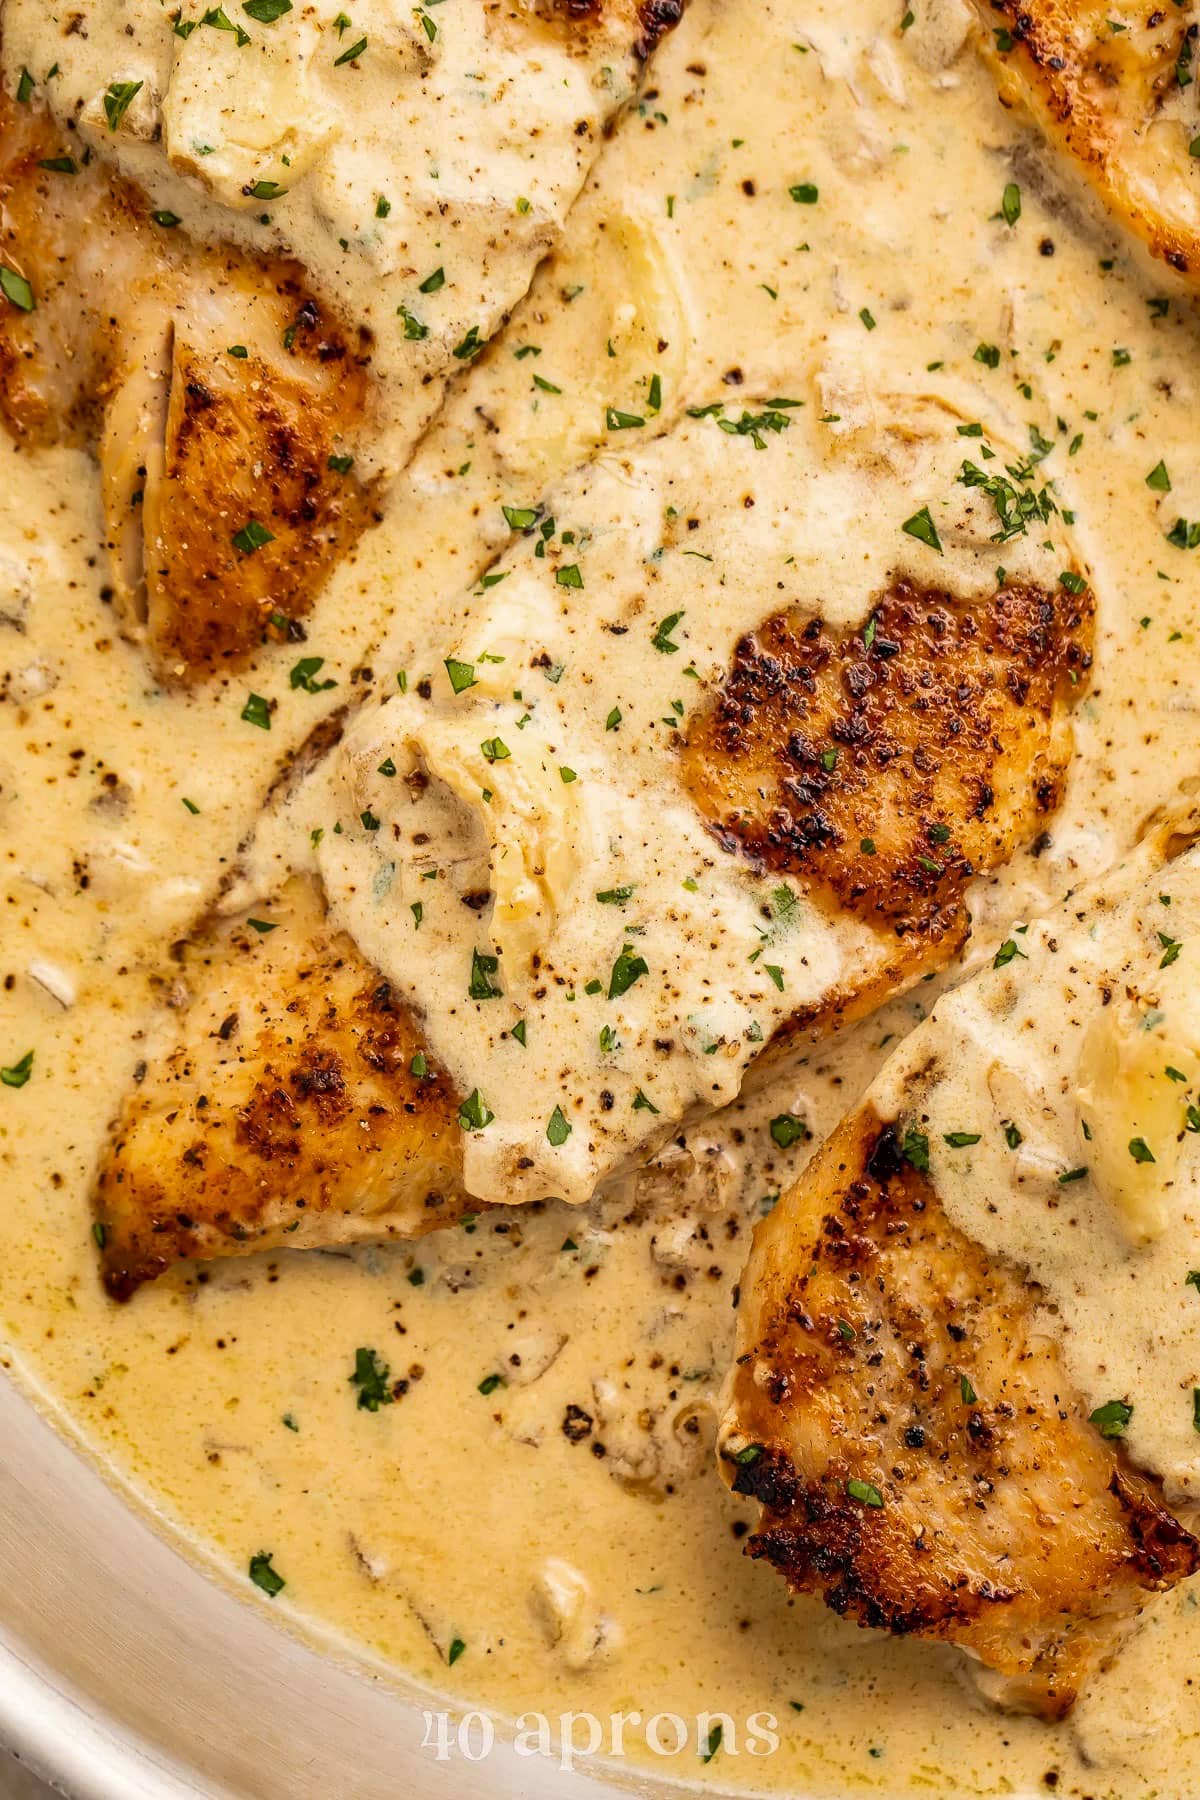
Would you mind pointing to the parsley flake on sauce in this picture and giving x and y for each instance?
(922, 527)
(662, 634)
(264, 1576)
(474, 1114)
(18, 1073)
(483, 967)
(257, 711)
(788, 1129)
(371, 1377)
(628, 968)
(559, 1129)
(118, 99)
(1111, 1419)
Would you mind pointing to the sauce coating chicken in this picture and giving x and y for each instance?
(234, 395)
(919, 1449)
(222, 399)
(1112, 88)
(515, 856)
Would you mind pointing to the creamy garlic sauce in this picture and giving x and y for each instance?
(225, 1400)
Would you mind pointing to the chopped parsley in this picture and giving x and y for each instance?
(787, 1129)
(118, 100)
(1111, 1419)
(252, 537)
(18, 1073)
(257, 711)
(914, 1148)
(264, 1576)
(865, 1492)
(559, 1128)
(483, 967)
(712, 1743)
(628, 968)
(662, 633)
(1184, 534)
(371, 1377)
(16, 289)
(1016, 502)
(304, 675)
(474, 1114)
(922, 527)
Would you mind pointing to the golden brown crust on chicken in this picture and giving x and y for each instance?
(885, 769)
(919, 1451)
(213, 385)
(644, 23)
(296, 1107)
(1109, 85)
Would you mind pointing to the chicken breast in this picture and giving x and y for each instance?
(298, 1108)
(884, 769)
(966, 1343)
(225, 402)
(243, 259)
(605, 908)
(1111, 88)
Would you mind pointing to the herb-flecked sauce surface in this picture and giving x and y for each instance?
(515, 1502)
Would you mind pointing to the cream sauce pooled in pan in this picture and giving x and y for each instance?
(800, 204)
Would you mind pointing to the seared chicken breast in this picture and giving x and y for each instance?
(198, 287)
(500, 828)
(1112, 88)
(298, 1108)
(839, 758)
(224, 401)
(947, 1396)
